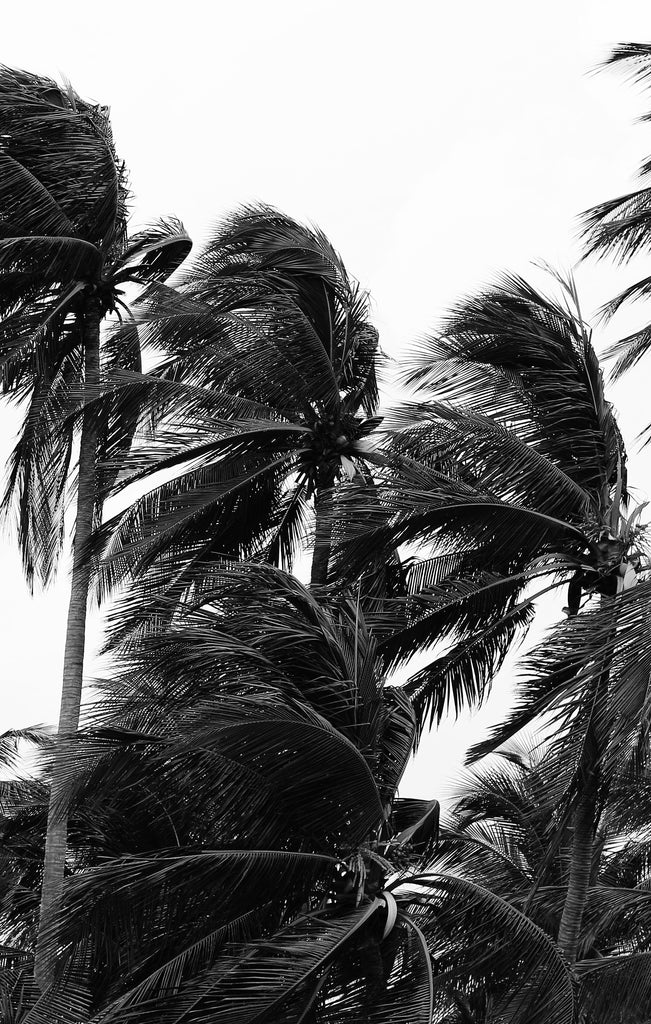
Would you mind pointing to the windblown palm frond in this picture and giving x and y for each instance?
(560, 674)
(519, 978)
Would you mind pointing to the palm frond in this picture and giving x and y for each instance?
(527, 360)
(522, 975)
(619, 227)
(628, 351)
(154, 253)
(462, 675)
(259, 978)
(616, 984)
(634, 59)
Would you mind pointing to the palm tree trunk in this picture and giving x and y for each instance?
(584, 827)
(585, 822)
(323, 538)
(73, 662)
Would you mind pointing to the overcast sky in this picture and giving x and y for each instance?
(435, 144)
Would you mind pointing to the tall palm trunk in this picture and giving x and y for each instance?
(584, 827)
(585, 821)
(323, 538)
(73, 662)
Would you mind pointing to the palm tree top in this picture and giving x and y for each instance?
(64, 257)
(267, 405)
(40, 195)
(526, 360)
(293, 292)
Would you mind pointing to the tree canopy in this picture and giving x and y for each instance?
(221, 833)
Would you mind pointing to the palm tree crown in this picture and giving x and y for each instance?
(265, 408)
(64, 255)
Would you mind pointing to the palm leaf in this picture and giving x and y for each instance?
(616, 985)
(523, 972)
(254, 980)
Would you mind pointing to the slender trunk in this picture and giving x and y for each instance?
(585, 822)
(323, 538)
(584, 826)
(73, 664)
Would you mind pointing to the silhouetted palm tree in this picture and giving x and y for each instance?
(64, 253)
(516, 471)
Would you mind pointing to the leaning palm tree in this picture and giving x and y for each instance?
(256, 743)
(516, 472)
(267, 392)
(64, 255)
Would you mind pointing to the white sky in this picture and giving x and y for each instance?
(435, 144)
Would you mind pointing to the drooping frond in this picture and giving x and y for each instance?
(39, 466)
(461, 677)
(589, 676)
(274, 978)
(521, 977)
(416, 504)
(616, 984)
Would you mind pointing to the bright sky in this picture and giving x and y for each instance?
(436, 145)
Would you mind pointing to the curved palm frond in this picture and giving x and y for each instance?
(522, 976)
(616, 984)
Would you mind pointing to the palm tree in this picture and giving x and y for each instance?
(516, 471)
(64, 255)
(507, 833)
(286, 879)
(267, 394)
(620, 227)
